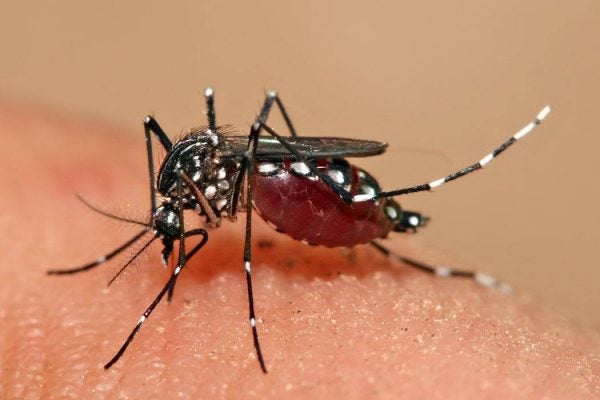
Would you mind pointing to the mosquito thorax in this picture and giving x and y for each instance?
(198, 156)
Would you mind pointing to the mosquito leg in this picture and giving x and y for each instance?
(481, 278)
(465, 171)
(182, 260)
(207, 209)
(270, 98)
(249, 161)
(187, 234)
(151, 126)
(209, 96)
(254, 132)
(284, 113)
(158, 298)
(200, 198)
(256, 128)
(182, 176)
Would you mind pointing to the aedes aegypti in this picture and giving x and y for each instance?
(291, 181)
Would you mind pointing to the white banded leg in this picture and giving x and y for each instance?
(182, 260)
(158, 298)
(443, 271)
(209, 97)
(472, 168)
(249, 161)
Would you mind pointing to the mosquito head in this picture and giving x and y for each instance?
(166, 221)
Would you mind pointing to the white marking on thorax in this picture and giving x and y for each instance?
(221, 203)
(213, 137)
(223, 185)
(170, 218)
(197, 162)
(210, 192)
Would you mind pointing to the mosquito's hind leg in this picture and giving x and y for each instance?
(343, 194)
(443, 271)
(465, 171)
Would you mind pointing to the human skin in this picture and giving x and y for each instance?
(334, 323)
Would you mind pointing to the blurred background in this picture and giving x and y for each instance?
(443, 83)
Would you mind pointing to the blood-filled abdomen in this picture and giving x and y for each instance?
(296, 202)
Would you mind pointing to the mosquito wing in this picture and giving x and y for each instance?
(310, 147)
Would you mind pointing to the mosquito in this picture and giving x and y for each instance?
(302, 186)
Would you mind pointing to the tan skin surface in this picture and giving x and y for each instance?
(333, 323)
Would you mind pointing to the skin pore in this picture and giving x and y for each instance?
(334, 323)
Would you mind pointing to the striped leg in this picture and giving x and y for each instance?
(472, 168)
(158, 298)
(183, 259)
(270, 98)
(249, 162)
(481, 278)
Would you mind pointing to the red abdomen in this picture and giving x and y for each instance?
(299, 204)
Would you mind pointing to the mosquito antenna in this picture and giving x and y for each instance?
(459, 174)
(107, 214)
(136, 255)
